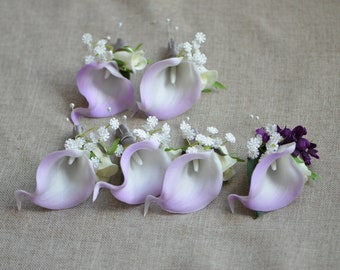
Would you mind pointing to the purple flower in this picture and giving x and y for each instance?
(304, 148)
(104, 87)
(143, 165)
(263, 133)
(64, 179)
(169, 88)
(273, 187)
(191, 182)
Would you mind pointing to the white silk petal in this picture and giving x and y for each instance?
(169, 88)
(64, 179)
(143, 165)
(188, 187)
(273, 189)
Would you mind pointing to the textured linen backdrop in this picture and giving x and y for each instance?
(280, 61)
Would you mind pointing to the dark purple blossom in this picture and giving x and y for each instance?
(263, 133)
(304, 148)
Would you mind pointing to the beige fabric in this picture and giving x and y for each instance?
(280, 60)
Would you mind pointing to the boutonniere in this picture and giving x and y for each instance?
(104, 79)
(277, 167)
(172, 86)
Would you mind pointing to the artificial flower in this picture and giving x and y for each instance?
(104, 87)
(64, 179)
(272, 188)
(191, 182)
(143, 165)
(276, 172)
(172, 86)
(134, 60)
(169, 88)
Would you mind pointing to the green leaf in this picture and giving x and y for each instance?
(138, 47)
(237, 158)
(119, 62)
(113, 147)
(127, 49)
(251, 164)
(315, 176)
(206, 90)
(219, 85)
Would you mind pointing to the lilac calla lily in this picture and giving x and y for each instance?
(276, 181)
(64, 179)
(169, 88)
(143, 165)
(191, 182)
(104, 87)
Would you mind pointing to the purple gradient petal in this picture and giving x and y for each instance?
(187, 189)
(115, 91)
(61, 185)
(164, 99)
(140, 180)
(269, 189)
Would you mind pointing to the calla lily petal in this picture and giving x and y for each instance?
(169, 88)
(64, 179)
(271, 189)
(103, 86)
(143, 165)
(191, 182)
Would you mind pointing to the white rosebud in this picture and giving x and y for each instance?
(208, 78)
(133, 61)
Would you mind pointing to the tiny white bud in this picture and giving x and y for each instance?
(72, 106)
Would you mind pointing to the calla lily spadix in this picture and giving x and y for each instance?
(64, 179)
(273, 187)
(104, 87)
(191, 182)
(143, 165)
(169, 88)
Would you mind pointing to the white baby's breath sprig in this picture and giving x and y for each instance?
(150, 131)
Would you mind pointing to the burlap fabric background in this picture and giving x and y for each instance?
(280, 60)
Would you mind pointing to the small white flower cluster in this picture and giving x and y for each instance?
(149, 131)
(271, 146)
(199, 142)
(98, 51)
(191, 51)
(88, 141)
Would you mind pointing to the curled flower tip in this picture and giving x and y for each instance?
(149, 199)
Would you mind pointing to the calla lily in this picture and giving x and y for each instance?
(273, 187)
(169, 88)
(64, 179)
(143, 165)
(191, 182)
(104, 87)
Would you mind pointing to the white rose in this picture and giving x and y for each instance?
(227, 164)
(208, 78)
(133, 61)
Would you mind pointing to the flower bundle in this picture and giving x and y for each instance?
(178, 179)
